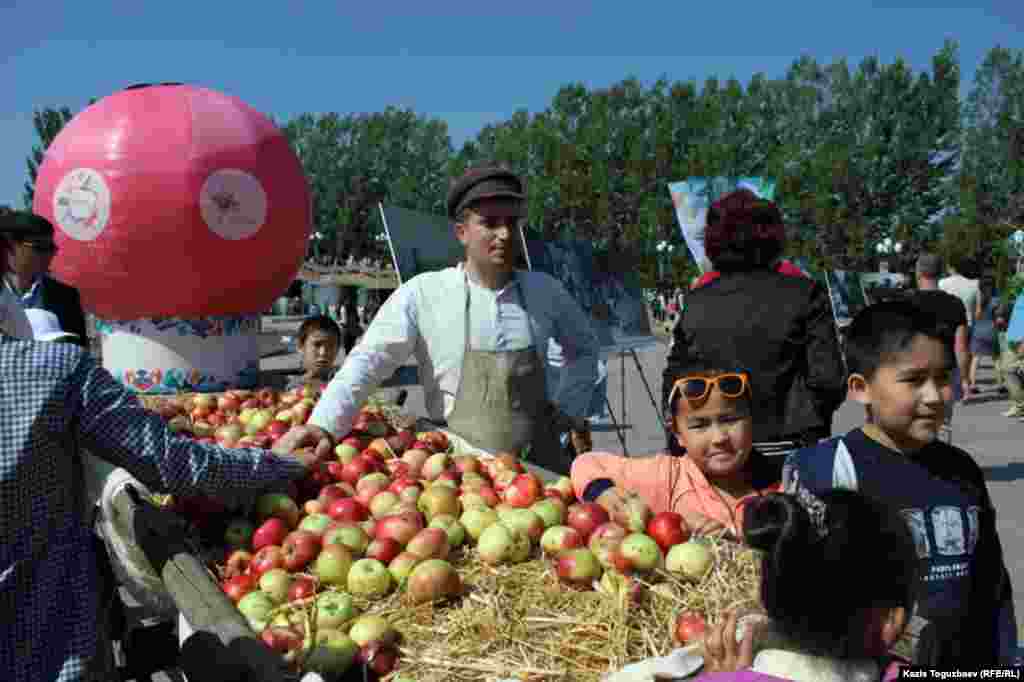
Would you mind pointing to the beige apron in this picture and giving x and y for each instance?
(501, 404)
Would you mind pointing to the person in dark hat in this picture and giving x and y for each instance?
(480, 332)
(30, 251)
(13, 320)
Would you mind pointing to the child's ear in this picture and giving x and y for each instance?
(858, 389)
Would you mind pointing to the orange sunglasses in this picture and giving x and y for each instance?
(697, 388)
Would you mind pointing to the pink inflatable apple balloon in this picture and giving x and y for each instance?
(174, 200)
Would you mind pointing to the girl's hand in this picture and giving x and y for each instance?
(613, 503)
(722, 653)
(703, 525)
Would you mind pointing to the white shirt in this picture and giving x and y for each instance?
(13, 320)
(425, 317)
(964, 289)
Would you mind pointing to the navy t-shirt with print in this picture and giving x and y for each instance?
(941, 493)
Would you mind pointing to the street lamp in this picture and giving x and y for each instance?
(884, 248)
(1017, 241)
(666, 248)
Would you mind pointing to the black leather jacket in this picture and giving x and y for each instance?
(778, 327)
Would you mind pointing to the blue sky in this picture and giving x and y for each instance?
(468, 63)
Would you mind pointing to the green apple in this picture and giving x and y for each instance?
(332, 654)
(256, 606)
(332, 565)
(369, 578)
(275, 584)
(334, 609)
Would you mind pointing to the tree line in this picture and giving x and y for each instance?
(858, 154)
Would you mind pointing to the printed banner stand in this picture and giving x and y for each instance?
(160, 356)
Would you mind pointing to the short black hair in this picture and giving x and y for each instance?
(853, 540)
(883, 330)
(321, 323)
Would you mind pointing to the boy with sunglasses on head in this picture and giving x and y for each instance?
(900, 360)
(710, 414)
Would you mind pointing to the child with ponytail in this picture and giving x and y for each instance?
(838, 584)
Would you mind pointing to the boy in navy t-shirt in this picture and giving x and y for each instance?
(900, 364)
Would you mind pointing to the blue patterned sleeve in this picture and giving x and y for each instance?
(114, 425)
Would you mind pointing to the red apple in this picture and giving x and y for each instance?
(396, 468)
(399, 527)
(301, 588)
(237, 563)
(637, 552)
(690, 627)
(401, 566)
(282, 640)
(381, 658)
(383, 549)
(430, 543)
(432, 580)
(382, 448)
(277, 428)
(300, 548)
(558, 539)
(266, 559)
(668, 528)
(348, 509)
(400, 484)
(585, 517)
(336, 491)
(578, 567)
(238, 586)
(415, 458)
(360, 466)
(524, 490)
(271, 532)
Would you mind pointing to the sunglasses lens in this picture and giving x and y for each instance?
(695, 388)
(730, 386)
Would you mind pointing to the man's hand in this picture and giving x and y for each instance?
(307, 443)
(722, 653)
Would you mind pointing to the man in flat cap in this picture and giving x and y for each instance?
(30, 250)
(480, 332)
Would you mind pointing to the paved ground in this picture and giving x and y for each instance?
(996, 442)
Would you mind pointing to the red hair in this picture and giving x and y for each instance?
(743, 231)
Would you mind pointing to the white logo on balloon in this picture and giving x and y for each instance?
(81, 204)
(233, 204)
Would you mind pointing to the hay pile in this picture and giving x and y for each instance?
(519, 622)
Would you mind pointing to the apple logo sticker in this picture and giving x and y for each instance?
(81, 204)
(233, 204)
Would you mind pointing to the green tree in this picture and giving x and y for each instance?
(48, 122)
(992, 177)
(354, 162)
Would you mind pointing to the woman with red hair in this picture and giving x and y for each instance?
(779, 326)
